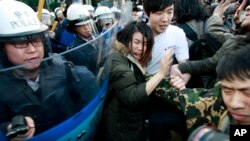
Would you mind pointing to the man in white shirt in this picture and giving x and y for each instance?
(160, 14)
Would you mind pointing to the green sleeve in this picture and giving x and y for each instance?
(208, 65)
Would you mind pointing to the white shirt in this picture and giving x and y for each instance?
(172, 37)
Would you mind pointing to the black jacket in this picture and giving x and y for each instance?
(58, 97)
(85, 55)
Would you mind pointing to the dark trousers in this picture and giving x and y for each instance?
(163, 118)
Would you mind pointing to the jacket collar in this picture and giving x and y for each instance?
(120, 47)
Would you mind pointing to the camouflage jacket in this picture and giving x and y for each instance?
(200, 105)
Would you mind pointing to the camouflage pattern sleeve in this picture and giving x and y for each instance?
(200, 105)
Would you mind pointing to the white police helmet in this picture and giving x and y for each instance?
(90, 8)
(58, 10)
(103, 12)
(78, 15)
(18, 21)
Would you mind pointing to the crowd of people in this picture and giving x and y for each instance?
(157, 88)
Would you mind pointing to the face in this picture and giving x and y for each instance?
(137, 46)
(28, 53)
(160, 20)
(84, 31)
(236, 96)
(106, 23)
(246, 21)
(60, 16)
(135, 16)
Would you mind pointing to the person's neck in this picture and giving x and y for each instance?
(154, 33)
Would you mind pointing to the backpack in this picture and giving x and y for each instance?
(201, 49)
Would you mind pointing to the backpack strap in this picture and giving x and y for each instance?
(191, 35)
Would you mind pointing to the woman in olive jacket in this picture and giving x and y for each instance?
(128, 97)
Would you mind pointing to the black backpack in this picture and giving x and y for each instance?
(201, 49)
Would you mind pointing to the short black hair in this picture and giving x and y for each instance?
(136, 9)
(235, 64)
(156, 5)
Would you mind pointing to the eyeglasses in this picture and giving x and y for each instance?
(36, 42)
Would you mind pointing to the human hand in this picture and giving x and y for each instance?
(29, 134)
(221, 8)
(174, 71)
(177, 82)
(237, 16)
(166, 62)
(52, 34)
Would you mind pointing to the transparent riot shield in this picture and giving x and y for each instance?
(126, 10)
(64, 99)
(105, 3)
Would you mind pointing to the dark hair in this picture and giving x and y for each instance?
(235, 64)
(156, 5)
(125, 36)
(136, 9)
(186, 10)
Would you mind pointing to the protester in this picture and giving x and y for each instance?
(234, 82)
(217, 29)
(206, 102)
(130, 97)
(233, 71)
(45, 92)
(192, 17)
(160, 14)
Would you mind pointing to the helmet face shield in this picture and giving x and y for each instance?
(23, 38)
(78, 15)
(46, 19)
(81, 21)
